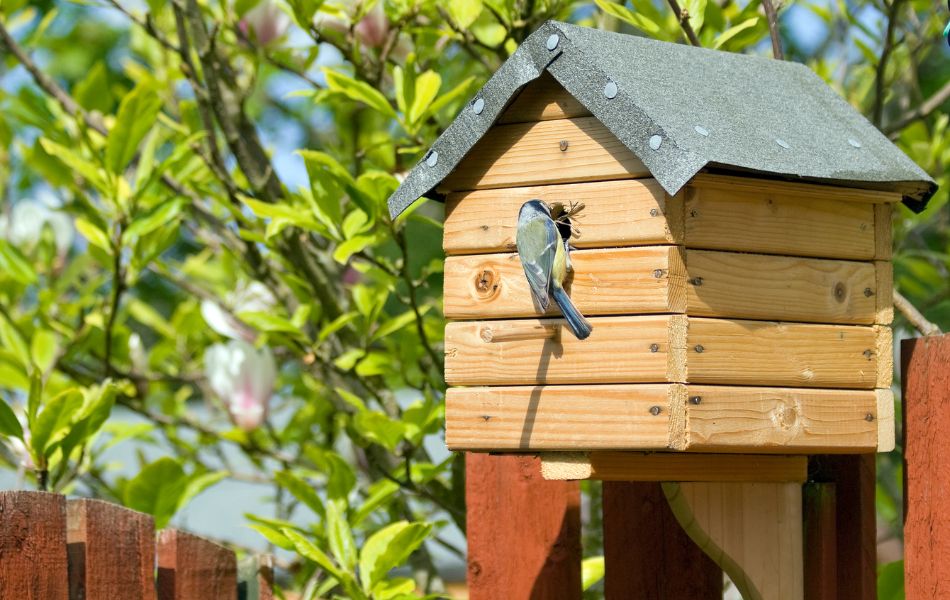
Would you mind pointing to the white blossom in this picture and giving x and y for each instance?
(266, 22)
(23, 227)
(251, 297)
(243, 377)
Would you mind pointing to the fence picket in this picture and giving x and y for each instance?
(33, 546)
(190, 567)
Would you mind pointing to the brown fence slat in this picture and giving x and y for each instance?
(926, 382)
(33, 546)
(523, 532)
(111, 551)
(646, 553)
(821, 555)
(192, 568)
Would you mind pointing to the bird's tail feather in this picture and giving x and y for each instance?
(575, 320)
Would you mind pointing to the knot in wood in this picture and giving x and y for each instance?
(486, 282)
(840, 292)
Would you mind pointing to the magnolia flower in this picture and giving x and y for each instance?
(243, 378)
(265, 23)
(24, 226)
(248, 297)
(373, 28)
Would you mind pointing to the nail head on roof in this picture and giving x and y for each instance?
(701, 130)
(432, 158)
(655, 142)
(610, 90)
(854, 142)
(782, 143)
(478, 106)
(552, 42)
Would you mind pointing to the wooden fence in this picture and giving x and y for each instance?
(52, 548)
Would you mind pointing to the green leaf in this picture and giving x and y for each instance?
(393, 588)
(890, 581)
(197, 484)
(638, 20)
(320, 165)
(697, 13)
(340, 536)
(85, 168)
(9, 424)
(388, 548)
(310, 551)
(450, 96)
(377, 427)
(340, 476)
(380, 493)
(592, 571)
(464, 12)
(94, 235)
(301, 490)
(396, 323)
(273, 536)
(137, 113)
(14, 343)
(92, 92)
(358, 91)
(14, 264)
(157, 490)
(427, 88)
(733, 31)
(52, 424)
(164, 213)
(44, 346)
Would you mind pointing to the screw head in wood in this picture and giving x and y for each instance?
(868, 354)
(695, 399)
(699, 348)
(654, 212)
(478, 106)
(868, 292)
(552, 42)
(655, 410)
(654, 347)
(658, 273)
(697, 281)
(563, 145)
(869, 417)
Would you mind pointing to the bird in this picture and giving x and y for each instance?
(545, 257)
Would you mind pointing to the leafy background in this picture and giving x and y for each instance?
(200, 284)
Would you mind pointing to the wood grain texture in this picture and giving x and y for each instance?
(524, 533)
(780, 190)
(762, 419)
(883, 292)
(758, 286)
(884, 352)
(564, 417)
(533, 351)
(886, 434)
(543, 99)
(855, 523)
(627, 212)
(770, 222)
(530, 154)
(111, 551)
(647, 555)
(190, 567)
(752, 530)
(721, 351)
(883, 231)
(645, 280)
(672, 466)
(925, 376)
(820, 537)
(33, 564)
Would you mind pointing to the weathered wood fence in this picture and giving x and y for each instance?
(52, 548)
(524, 533)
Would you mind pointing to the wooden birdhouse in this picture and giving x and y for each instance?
(732, 254)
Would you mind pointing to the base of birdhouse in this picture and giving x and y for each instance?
(609, 465)
(669, 417)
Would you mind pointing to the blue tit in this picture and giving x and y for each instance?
(545, 258)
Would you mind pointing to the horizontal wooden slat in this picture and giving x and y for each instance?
(530, 351)
(672, 466)
(627, 212)
(646, 280)
(778, 223)
(563, 417)
(736, 419)
(530, 154)
(543, 99)
(739, 352)
(779, 189)
(758, 286)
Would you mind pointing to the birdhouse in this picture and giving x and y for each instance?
(732, 244)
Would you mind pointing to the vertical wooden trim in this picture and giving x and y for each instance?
(111, 551)
(883, 292)
(190, 567)
(674, 210)
(33, 561)
(884, 342)
(885, 420)
(647, 554)
(821, 553)
(883, 237)
(523, 532)
(925, 375)
(855, 521)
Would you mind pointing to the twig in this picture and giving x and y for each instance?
(877, 113)
(147, 25)
(771, 15)
(118, 287)
(683, 17)
(926, 107)
(913, 316)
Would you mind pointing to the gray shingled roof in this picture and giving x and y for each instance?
(708, 108)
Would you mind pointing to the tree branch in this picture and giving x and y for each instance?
(926, 107)
(914, 316)
(683, 17)
(771, 15)
(877, 113)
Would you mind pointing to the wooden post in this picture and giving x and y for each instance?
(647, 554)
(33, 546)
(256, 578)
(926, 382)
(111, 551)
(190, 567)
(855, 525)
(821, 554)
(523, 532)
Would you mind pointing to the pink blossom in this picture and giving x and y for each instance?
(374, 27)
(265, 23)
(243, 377)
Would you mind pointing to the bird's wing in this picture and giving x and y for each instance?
(537, 245)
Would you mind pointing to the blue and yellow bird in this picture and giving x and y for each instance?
(546, 261)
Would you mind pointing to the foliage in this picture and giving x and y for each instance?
(162, 134)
